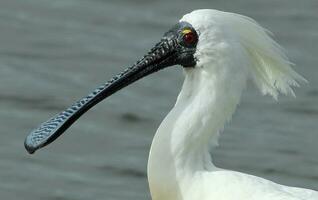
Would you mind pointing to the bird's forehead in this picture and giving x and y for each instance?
(182, 26)
(201, 19)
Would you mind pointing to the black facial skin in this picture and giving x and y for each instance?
(185, 56)
(175, 48)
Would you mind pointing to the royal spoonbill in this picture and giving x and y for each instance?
(219, 51)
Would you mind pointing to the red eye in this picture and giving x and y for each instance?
(189, 38)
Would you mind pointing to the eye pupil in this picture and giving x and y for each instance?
(189, 37)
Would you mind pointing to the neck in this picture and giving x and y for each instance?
(181, 146)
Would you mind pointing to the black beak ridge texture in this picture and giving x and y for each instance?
(159, 57)
(176, 47)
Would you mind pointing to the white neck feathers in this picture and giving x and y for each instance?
(183, 141)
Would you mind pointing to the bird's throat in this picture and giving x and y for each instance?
(181, 146)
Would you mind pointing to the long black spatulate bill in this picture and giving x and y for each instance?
(169, 51)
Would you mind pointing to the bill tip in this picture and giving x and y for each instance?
(30, 149)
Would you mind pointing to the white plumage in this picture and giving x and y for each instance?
(232, 49)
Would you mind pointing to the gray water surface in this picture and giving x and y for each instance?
(54, 52)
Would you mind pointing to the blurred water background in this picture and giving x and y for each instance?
(54, 52)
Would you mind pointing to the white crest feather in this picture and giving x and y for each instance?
(270, 68)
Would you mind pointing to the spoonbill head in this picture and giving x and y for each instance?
(219, 52)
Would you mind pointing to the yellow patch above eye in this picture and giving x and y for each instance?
(186, 31)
